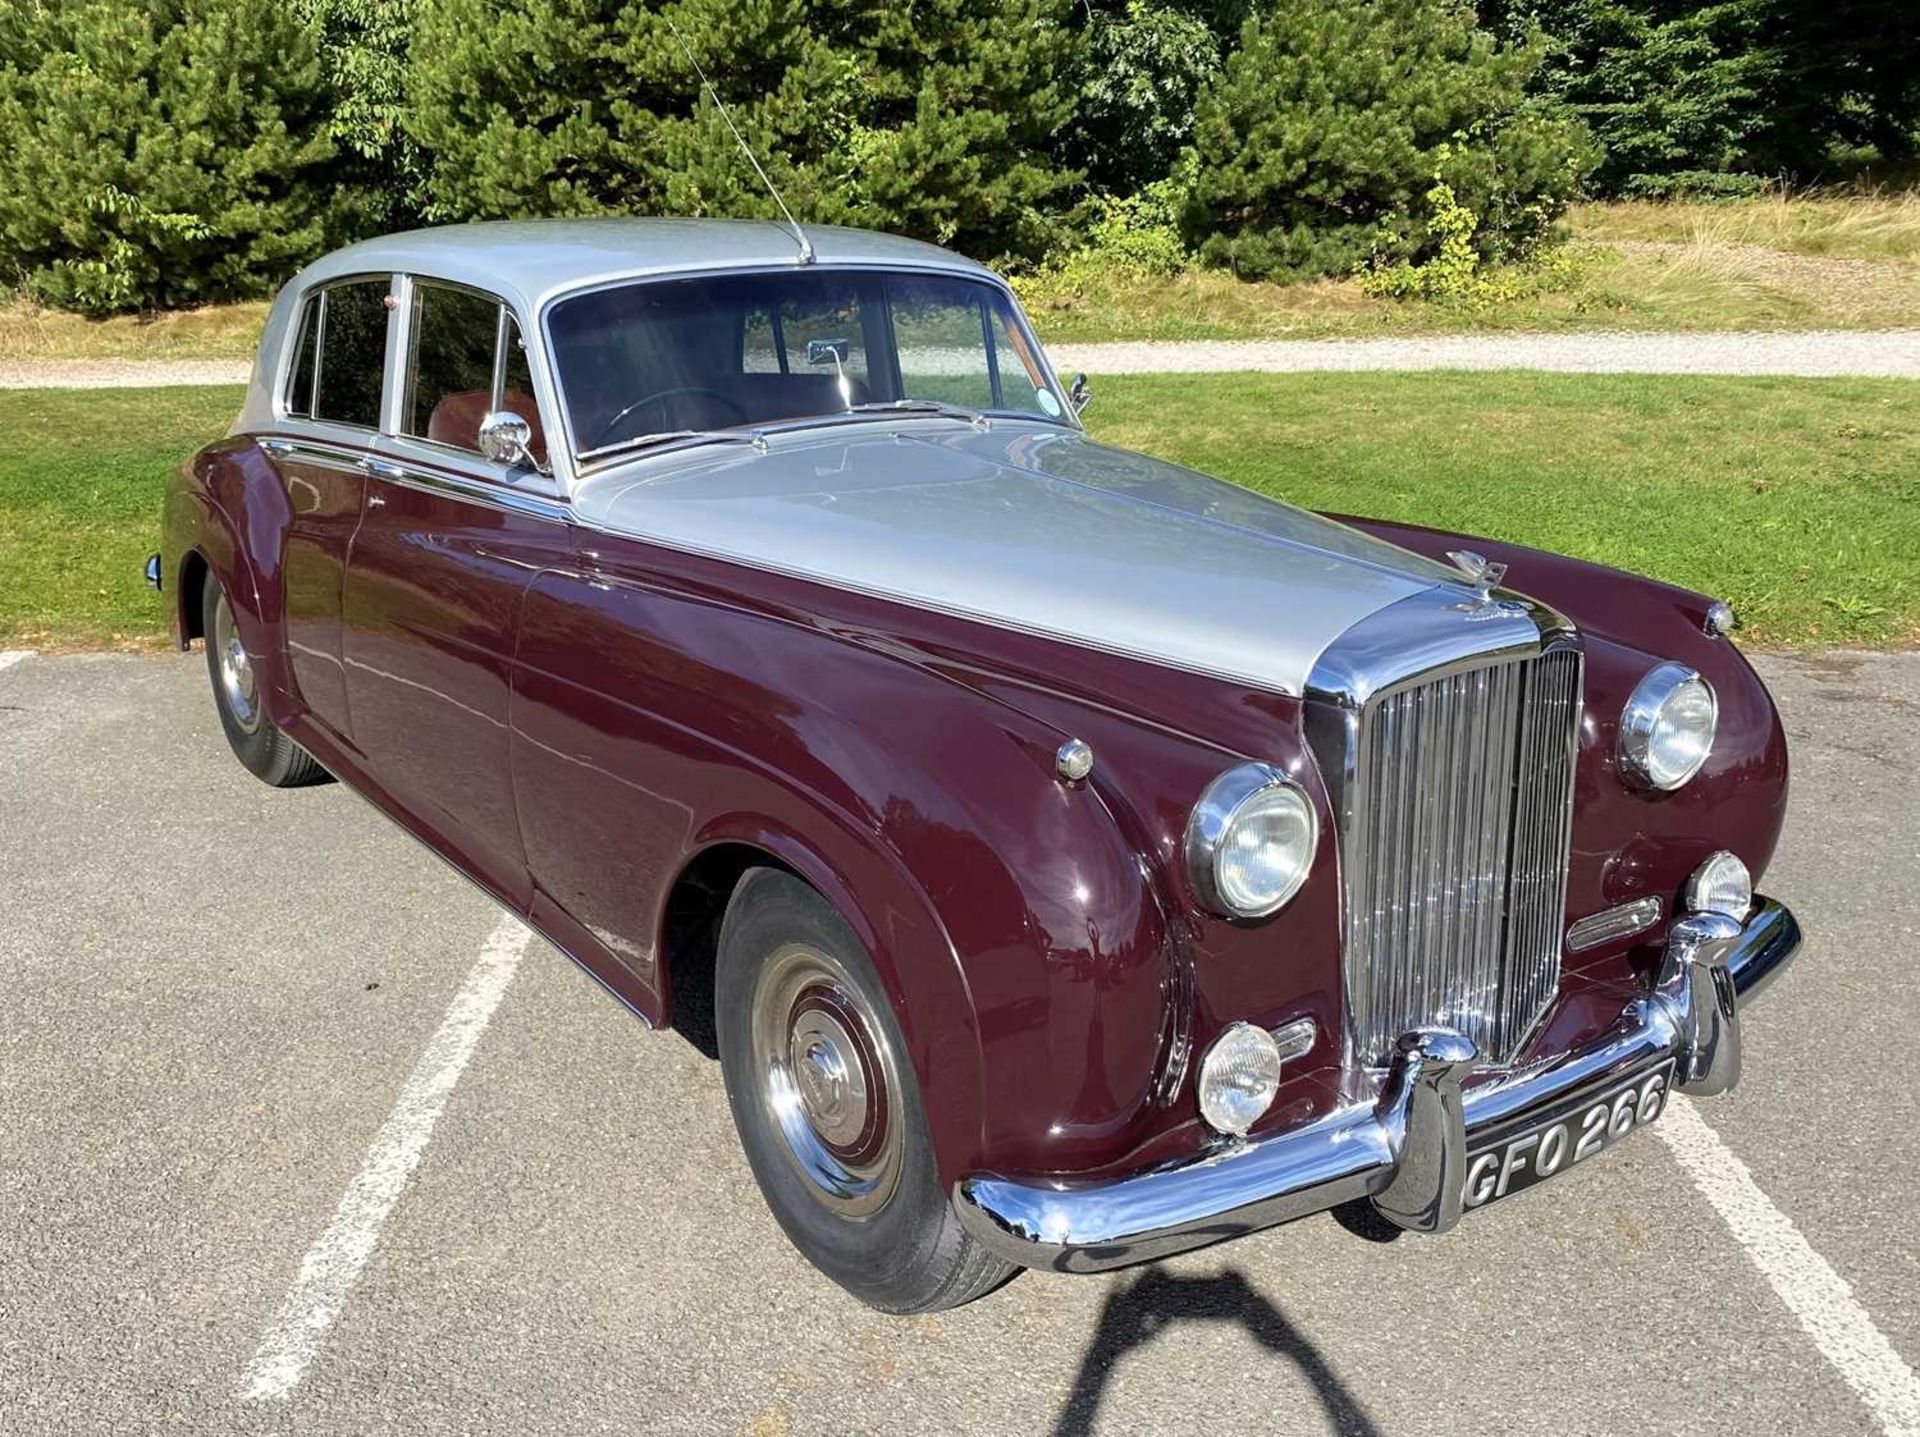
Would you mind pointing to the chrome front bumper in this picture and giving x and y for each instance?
(1408, 1151)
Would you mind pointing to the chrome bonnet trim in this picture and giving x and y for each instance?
(1405, 1151)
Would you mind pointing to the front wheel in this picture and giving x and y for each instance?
(267, 753)
(827, 1108)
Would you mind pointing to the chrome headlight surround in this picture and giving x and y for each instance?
(1651, 710)
(1253, 792)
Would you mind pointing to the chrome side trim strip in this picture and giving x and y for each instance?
(490, 496)
(362, 461)
(1408, 1147)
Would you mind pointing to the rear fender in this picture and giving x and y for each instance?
(228, 506)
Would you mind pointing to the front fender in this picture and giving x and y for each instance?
(1010, 917)
(1628, 842)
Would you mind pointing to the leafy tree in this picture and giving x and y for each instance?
(1322, 140)
(1847, 73)
(1712, 95)
(937, 120)
(363, 49)
(159, 156)
(1672, 89)
(1136, 72)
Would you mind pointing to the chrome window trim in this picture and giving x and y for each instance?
(285, 360)
(512, 487)
(1068, 418)
(366, 460)
(414, 284)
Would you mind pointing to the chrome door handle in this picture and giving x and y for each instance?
(277, 446)
(382, 470)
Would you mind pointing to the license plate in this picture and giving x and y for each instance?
(1545, 1146)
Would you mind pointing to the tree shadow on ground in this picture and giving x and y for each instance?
(1156, 1301)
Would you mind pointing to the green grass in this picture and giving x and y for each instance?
(1798, 500)
(81, 475)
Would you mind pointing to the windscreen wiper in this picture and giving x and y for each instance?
(923, 406)
(678, 436)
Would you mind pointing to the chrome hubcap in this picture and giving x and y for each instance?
(826, 1078)
(236, 669)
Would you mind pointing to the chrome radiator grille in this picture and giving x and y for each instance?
(1456, 859)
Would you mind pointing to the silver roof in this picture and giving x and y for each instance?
(527, 262)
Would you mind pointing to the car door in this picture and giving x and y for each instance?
(330, 422)
(448, 543)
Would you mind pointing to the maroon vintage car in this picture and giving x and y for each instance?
(1072, 859)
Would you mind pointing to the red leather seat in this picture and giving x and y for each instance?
(456, 419)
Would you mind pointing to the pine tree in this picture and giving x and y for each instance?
(161, 156)
(1323, 137)
(935, 121)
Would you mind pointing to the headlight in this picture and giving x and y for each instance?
(1238, 1078)
(1721, 885)
(1250, 841)
(1666, 731)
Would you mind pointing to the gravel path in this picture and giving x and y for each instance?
(120, 373)
(1812, 353)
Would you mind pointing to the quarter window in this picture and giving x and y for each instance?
(353, 352)
(306, 355)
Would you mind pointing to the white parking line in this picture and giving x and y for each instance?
(1803, 1280)
(10, 657)
(333, 1263)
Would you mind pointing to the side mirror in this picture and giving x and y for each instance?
(506, 438)
(1079, 393)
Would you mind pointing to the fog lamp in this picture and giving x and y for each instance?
(1238, 1078)
(1721, 885)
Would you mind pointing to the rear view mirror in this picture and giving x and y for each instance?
(1079, 393)
(828, 351)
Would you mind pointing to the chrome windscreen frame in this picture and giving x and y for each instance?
(1430, 635)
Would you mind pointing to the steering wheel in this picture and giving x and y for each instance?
(660, 397)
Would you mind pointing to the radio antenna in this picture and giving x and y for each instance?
(799, 235)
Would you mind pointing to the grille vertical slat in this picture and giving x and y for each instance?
(1456, 871)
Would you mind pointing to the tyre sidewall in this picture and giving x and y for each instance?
(885, 1258)
(257, 751)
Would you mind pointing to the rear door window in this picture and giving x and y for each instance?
(353, 352)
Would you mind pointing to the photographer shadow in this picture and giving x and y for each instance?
(1155, 1301)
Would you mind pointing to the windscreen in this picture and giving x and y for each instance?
(735, 351)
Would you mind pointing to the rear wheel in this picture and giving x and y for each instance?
(827, 1108)
(267, 752)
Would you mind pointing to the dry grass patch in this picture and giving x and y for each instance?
(227, 331)
(1859, 227)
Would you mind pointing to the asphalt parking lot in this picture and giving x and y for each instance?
(218, 997)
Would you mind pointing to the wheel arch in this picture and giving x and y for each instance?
(888, 913)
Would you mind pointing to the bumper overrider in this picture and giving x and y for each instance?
(1409, 1151)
